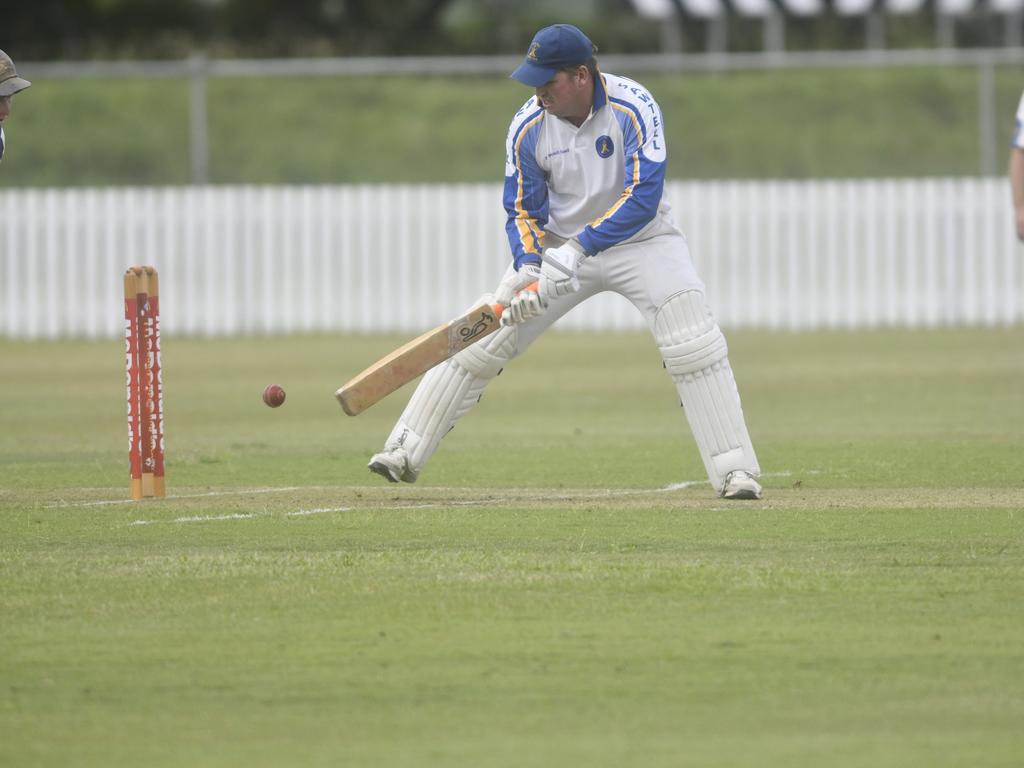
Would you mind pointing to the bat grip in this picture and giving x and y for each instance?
(499, 308)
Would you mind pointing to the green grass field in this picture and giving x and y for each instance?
(557, 590)
(854, 123)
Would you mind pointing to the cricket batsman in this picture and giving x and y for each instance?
(584, 195)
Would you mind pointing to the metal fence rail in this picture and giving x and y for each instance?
(267, 260)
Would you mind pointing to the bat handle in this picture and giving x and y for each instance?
(499, 308)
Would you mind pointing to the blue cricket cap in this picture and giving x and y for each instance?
(552, 49)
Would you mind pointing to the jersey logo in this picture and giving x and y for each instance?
(604, 146)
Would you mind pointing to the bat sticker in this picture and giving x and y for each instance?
(467, 333)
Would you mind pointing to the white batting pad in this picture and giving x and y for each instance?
(446, 393)
(696, 356)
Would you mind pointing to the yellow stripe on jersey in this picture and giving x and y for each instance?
(628, 191)
(526, 224)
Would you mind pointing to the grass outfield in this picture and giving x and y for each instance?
(852, 123)
(559, 589)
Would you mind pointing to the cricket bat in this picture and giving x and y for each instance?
(418, 356)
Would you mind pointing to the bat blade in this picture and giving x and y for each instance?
(416, 357)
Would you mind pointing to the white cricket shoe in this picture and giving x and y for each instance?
(740, 484)
(393, 465)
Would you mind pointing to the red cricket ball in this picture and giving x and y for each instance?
(273, 395)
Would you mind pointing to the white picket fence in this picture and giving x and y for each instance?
(268, 260)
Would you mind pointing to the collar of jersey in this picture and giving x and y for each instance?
(600, 97)
(600, 94)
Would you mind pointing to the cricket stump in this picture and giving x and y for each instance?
(144, 380)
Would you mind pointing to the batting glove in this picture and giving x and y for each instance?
(512, 293)
(514, 282)
(525, 304)
(558, 272)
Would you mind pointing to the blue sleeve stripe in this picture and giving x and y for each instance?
(529, 120)
(627, 193)
(632, 112)
(530, 235)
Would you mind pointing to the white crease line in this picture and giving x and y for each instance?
(428, 505)
(319, 511)
(299, 513)
(197, 519)
(543, 497)
(604, 493)
(680, 486)
(66, 504)
(677, 486)
(212, 494)
(326, 510)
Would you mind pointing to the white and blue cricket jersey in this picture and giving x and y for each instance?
(602, 183)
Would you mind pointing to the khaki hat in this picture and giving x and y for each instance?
(10, 83)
